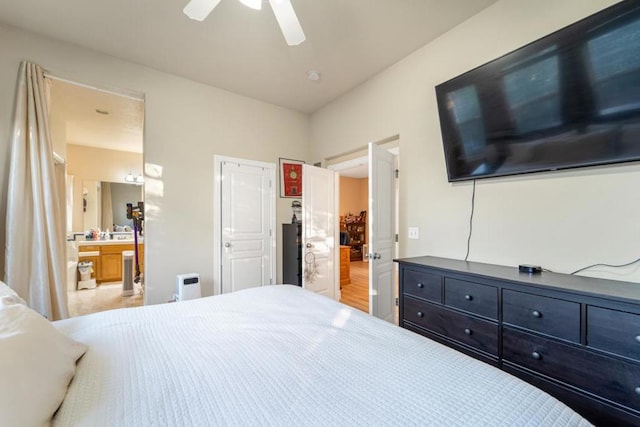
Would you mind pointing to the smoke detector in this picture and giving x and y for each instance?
(313, 75)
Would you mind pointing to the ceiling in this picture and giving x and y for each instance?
(356, 168)
(96, 118)
(242, 50)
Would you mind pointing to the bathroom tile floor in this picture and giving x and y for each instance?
(106, 296)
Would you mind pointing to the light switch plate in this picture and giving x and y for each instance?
(414, 233)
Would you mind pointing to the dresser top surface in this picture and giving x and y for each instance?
(628, 291)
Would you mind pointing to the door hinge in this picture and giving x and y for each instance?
(397, 302)
(397, 173)
(271, 234)
(271, 281)
(396, 237)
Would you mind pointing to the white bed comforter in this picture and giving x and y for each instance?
(283, 356)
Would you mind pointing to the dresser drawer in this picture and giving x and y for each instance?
(604, 376)
(551, 316)
(422, 285)
(474, 332)
(614, 331)
(472, 297)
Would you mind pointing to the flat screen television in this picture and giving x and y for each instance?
(570, 99)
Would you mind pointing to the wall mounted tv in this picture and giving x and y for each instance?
(570, 99)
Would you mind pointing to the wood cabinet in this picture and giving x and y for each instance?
(577, 338)
(110, 267)
(107, 264)
(345, 266)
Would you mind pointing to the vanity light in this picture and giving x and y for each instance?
(139, 180)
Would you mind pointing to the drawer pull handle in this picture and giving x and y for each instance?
(468, 331)
(536, 355)
(468, 297)
(638, 391)
(420, 285)
(420, 314)
(536, 313)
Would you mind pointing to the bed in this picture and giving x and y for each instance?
(282, 356)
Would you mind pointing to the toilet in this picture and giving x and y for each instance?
(85, 268)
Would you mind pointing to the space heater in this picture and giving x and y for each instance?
(187, 286)
(127, 272)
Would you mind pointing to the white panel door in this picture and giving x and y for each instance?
(382, 233)
(320, 259)
(245, 226)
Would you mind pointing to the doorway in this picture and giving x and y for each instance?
(369, 186)
(354, 196)
(97, 136)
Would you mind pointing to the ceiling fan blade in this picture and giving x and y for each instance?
(253, 4)
(199, 9)
(288, 21)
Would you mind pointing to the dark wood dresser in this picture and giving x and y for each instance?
(577, 338)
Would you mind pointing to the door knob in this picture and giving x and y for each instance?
(309, 245)
(376, 255)
(227, 245)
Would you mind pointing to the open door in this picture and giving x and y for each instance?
(382, 233)
(320, 242)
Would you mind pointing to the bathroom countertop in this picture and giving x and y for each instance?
(108, 242)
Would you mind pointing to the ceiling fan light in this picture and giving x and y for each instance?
(288, 21)
(199, 9)
(253, 4)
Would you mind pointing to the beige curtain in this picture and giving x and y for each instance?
(107, 208)
(35, 251)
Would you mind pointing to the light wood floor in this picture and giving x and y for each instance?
(356, 294)
(103, 297)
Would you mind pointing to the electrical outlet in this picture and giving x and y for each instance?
(414, 233)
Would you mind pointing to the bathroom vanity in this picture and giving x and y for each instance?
(106, 256)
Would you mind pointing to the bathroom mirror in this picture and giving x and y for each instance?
(105, 203)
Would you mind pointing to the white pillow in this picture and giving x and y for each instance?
(37, 362)
(6, 291)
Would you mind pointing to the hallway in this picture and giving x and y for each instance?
(356, 294)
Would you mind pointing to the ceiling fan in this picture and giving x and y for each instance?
(286, 16)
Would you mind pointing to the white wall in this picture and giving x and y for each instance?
(186, 123)
(354, 195)
(561, 220)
